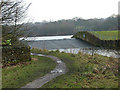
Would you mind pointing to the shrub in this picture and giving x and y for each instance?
(15, 54)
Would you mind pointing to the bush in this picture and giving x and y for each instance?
(14, 54)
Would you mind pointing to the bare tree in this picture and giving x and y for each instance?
(12, 13)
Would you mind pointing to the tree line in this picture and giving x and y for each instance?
(71, 26)
(13, 12)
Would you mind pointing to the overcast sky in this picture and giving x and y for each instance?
(67, 9)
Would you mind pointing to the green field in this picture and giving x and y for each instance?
(19, 75)
(106, 35)
(85, 71)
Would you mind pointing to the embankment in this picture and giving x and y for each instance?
(92, 39)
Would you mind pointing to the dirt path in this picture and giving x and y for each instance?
(59, 70)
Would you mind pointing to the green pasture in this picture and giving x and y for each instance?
(107, 35)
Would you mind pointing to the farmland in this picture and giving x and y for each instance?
(106, 35)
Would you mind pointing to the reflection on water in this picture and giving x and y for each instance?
(104, 52)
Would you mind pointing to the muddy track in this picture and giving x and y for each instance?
(59, 70)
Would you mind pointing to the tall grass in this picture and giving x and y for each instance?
(85, 71)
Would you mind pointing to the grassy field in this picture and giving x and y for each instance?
(19, 75)
(85, 71)
(106, 35)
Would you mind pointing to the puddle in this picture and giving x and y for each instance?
(37, 54)
(59, 62)
(57, 71)
(40, 55)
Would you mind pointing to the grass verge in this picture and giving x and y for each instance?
(85, 71)
(19, 75)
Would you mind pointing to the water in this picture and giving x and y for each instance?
(108, 53)
(66, 44)
(47, 38)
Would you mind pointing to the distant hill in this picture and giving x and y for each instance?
(70, 26)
